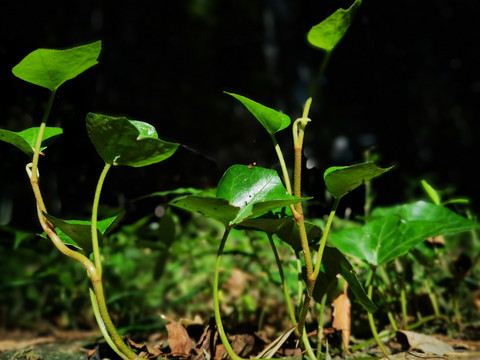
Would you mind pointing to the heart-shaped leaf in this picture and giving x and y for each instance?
(243, 193)
(121, 141)
(340, 180)
(398, 230)
(50, 68)
(255, 190)
(272, 120)
(327, 34)
(25, 140)
(78, 233)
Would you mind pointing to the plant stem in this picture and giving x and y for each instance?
(216, 302)
(283, 166)
(103, 328)
(323, 240)
(286, 291)
(371, 320)
(96, 201)
(321, 311)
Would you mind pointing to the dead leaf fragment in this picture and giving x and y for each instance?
(341, 316)
(425, 343)
(179, 341)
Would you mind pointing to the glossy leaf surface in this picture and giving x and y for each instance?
(50, 68)
(327, 34)
(78, 233)
(397, 230)
(121, 141)
(255, 190)
(272, 120)
(340, 180)
(25, 140)
(243, 192)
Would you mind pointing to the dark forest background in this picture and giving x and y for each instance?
(405, 79)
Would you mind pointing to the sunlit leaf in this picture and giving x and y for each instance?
(255, 190)
(50, 68)
(399, 229)
(327, 34)
(121, 141)
(243, 193)
(340, 180)
(26, 140)
(272, 120)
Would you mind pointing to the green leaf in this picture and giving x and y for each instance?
(340, 180)
(272, 120)
(212, 207)
(121, 141)
(243, 193)
(50, 68)
(255, 190)
(431, 192)
(327, 34)
(333, 263)
(78, 233)
(398, 230)
(25, 140)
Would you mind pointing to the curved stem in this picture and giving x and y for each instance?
(96, 200)
(103, 328)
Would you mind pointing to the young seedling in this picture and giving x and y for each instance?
(118, 140)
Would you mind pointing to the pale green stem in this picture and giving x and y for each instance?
(103, 328)
(96, 201)
(323, 240)
(283, 166)
(371, 320)
(286, 291)
(321, 310)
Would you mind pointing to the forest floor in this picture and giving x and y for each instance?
(77, 345)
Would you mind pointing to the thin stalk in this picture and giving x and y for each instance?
(96, 201)
(103, 328)
(321, 310)
(433, 298)
(323, 240)
(286, 291)
(216, 302)
(112, 330)
(283, 166)
(371, 320)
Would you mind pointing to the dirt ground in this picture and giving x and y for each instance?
(74, 345)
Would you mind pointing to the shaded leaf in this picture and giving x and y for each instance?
(272, 120)
(50, 68)
(26, 140)
(78, 233)
(121, 141)
(334, 263)
(340, 180)
(327, 34)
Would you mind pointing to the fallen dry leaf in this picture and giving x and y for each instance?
(425, 343)
(179, 341)
(341, 316)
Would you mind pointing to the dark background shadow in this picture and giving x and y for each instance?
(405, 79)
